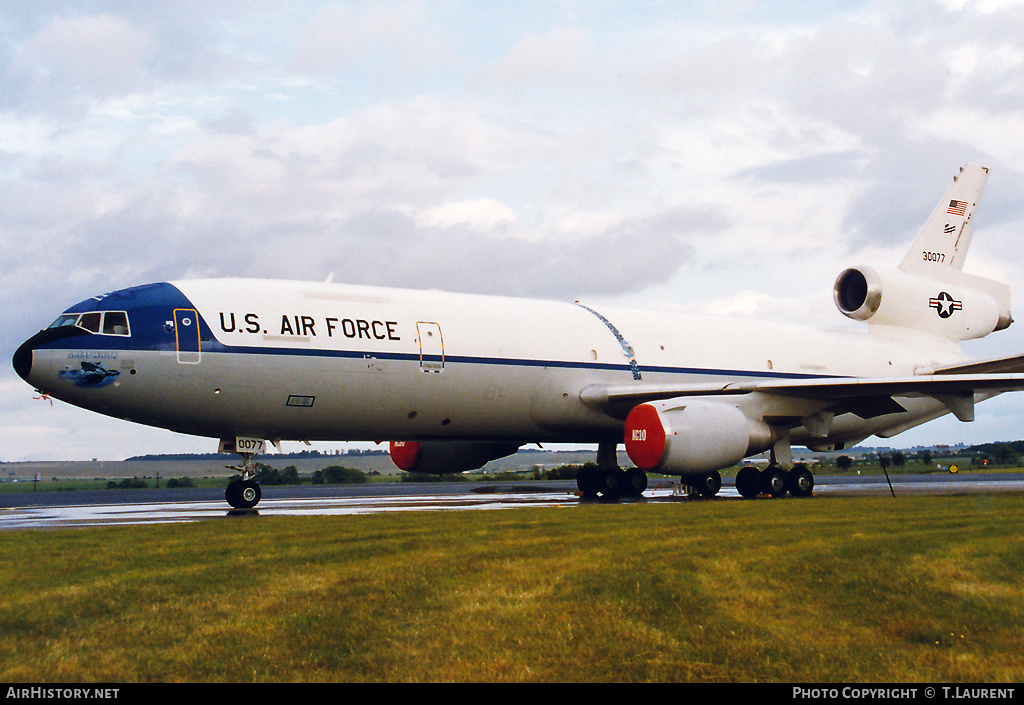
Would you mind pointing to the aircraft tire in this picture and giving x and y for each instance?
(709, 484)
(588, 481)
(748, 482)
(636, 482)
(774, 481)
(243, 494)
(800, 481)
(611, 482)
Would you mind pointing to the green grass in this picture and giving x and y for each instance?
(828, 589)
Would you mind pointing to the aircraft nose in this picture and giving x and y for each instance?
(23, 359)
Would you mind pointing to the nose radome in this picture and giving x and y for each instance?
(23, 359)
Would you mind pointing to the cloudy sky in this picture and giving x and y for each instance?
(727, 157)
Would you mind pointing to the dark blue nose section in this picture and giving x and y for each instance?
(23, 359)
(23, 356)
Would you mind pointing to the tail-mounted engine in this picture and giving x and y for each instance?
(685, 436)
(957, 306)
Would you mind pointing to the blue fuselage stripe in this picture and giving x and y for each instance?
(513, 362)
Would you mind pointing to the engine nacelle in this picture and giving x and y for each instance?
(447, 457)
(962, 308)
(684, 436)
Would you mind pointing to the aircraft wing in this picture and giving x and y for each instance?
(867, 397)
(1014, 363)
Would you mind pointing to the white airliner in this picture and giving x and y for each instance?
(456, 380)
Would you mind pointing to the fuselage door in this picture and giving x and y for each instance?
(431, 347)
(186, 335)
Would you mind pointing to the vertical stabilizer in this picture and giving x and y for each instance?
(939, 251)
(945, 238)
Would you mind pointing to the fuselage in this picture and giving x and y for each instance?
(287, 360)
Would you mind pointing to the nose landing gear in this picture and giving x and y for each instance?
(244, 493)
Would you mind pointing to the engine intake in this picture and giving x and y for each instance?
(858, 293)
(956, 306)
(684, 436)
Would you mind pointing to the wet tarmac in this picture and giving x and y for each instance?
(112, 508)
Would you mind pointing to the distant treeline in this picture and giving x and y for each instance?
(333, 475)
(993, 448)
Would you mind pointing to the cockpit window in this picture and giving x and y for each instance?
(115, 323)
(66, 319)
(90, 321)
(98, 322)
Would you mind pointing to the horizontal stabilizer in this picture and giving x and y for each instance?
(1014, 363)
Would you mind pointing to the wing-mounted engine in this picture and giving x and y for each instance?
(686, 436)
(956, 307)
(447, 457)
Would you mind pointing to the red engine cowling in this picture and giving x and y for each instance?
(447, 457)
(684, 436)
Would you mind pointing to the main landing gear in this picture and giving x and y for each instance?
(774, 480)
(607, 479)
(609, 482)
(244, 493)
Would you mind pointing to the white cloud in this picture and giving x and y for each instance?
(385, 40)
(482, 214)
(101, 54)
(558, 57)
(988, 133)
